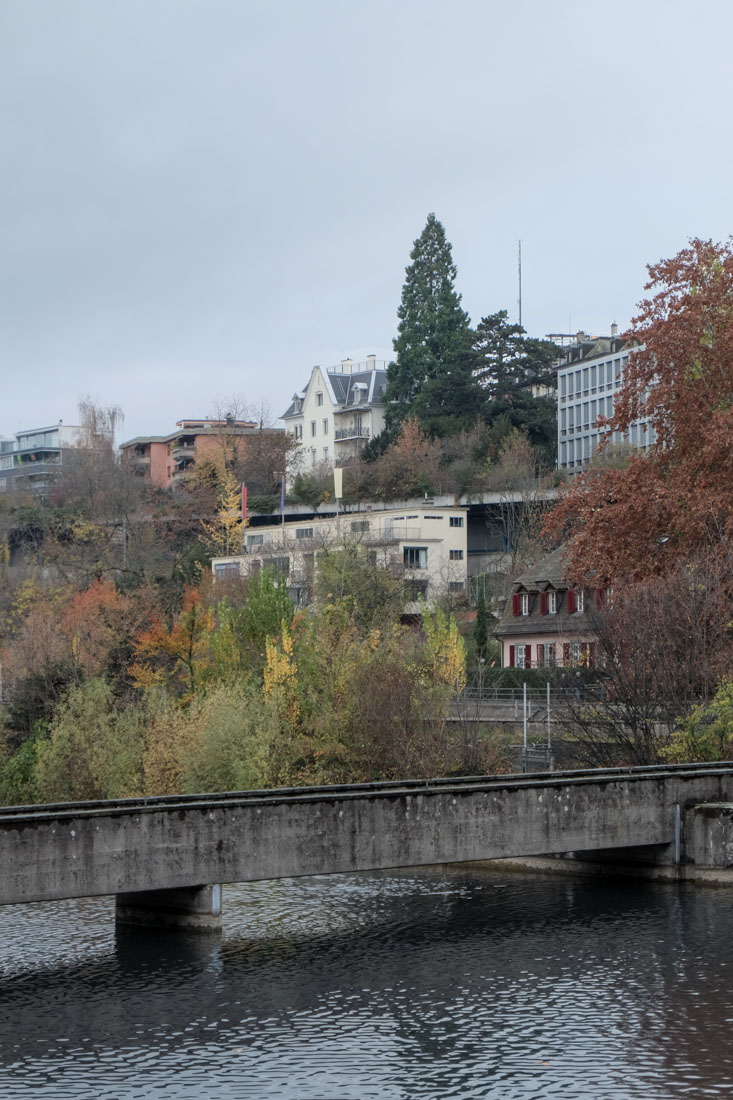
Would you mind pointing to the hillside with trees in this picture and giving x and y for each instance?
(127, 670)
(456, 394)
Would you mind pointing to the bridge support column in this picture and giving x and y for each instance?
(186, 909)
(709, 835)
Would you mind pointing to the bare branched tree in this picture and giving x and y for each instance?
(663, 645)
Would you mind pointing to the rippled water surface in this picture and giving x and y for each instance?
(423, 983)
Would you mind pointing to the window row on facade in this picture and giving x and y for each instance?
(551, 601)
(594, 378)
(552, 655)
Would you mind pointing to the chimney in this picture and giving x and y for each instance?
(614, 329)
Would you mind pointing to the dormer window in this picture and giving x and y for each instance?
(552, 602)
(520, 603)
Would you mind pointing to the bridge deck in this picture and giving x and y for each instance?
(138, 844)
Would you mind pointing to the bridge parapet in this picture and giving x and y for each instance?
(175, 843)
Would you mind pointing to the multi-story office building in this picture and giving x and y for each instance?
(587, 381)
(30, 460)
(338, 411)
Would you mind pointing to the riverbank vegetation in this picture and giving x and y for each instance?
(119, 692)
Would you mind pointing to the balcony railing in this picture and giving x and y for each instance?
(352, 433)
(183, 451)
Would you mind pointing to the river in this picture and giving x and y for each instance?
(437, 982)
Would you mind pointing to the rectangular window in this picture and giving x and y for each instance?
(319, 399)
(325, 427)
(456, 555)
(416, 590)
(304, 532)
(325, 454)
(360, 525)
(415, 557)
(255, 540)
(456, 521)
(552, 603)
(580, 600)
(550, 655)
(226, 569)
(524, 603)
(520, 656)
(313, 427)
(280, 565)
(455, 586)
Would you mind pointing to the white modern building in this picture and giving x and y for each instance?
(426, 547)
(338, 411)
(587, 382)
(30, 459)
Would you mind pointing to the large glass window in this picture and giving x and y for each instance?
(415, 557)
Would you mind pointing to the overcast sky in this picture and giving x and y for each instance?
(201, 199)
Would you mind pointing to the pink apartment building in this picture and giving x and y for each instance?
(165, 458)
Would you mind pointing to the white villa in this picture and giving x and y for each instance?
(338, 411)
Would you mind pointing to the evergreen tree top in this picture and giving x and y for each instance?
(432, 373)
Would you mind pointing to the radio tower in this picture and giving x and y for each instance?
(520, 282)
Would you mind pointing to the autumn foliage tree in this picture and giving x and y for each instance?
(674, 500)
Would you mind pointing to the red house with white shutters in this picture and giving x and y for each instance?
(546, 623)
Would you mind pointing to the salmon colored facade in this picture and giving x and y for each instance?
(165, 459)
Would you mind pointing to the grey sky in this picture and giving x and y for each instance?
(204, 198)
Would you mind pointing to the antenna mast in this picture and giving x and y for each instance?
(520, 282)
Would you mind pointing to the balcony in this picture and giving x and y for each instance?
(352, 433)
(183, 452)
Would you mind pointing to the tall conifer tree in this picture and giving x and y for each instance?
(432, 375)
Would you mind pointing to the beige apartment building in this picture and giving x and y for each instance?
(426, 547)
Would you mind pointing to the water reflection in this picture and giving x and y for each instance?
(396, 984)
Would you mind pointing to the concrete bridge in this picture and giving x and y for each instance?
(164, 858)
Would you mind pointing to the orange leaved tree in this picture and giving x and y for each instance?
(674, 500)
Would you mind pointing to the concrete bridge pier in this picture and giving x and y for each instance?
(186, 909)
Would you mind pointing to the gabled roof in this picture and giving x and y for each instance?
(550, 572)
(346, 391)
